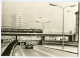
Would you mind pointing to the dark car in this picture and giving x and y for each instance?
(28, 46)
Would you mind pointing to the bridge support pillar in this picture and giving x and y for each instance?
(43, 38)
(16, 37)
(70, 38)
(73, 37)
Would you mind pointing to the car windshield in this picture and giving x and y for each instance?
(28, 42)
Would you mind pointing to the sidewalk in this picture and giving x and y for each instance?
(69, 49)
(16, 51)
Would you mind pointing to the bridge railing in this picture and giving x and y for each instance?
(21, 30)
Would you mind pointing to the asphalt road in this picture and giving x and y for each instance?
(42, 51)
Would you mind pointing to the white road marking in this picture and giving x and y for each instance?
(23, 54)
(43, 52)
(35, 53)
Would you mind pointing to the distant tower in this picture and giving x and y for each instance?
(16, 21)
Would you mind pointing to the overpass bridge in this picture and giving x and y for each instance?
(31, 32)
(24, 32)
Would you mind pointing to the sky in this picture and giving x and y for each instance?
(42, 12)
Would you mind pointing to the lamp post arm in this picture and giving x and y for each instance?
(47, 22)
(38, 22)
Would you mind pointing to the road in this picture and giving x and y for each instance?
(39, 50)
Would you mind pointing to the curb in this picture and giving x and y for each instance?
(61, 50)
(12, 49)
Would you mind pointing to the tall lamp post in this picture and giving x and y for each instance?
(42, 26)
(63, 20)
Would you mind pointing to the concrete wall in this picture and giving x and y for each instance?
(77, 26)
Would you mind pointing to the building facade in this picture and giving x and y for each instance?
(16, 21)
(77, 26)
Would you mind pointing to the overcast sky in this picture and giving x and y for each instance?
(31, 11)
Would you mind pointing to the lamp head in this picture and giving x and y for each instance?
(72, 5)
(68, 11)
(40, 17)
(37, 21)
(52, 4)
(48, 22)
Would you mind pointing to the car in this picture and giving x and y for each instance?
(29, 46)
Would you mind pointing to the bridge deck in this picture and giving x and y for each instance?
(24, 34)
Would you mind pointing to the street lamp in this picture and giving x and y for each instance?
(42, 26)
(63, 20)
(70, 11)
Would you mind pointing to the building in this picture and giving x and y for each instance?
(77, 26)
(16, 21)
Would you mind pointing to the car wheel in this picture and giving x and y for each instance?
(32, 47)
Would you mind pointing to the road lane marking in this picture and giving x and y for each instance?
(43, 52)
(23, 54)
(35, 54)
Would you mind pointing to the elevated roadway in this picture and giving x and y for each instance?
(24, 34)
